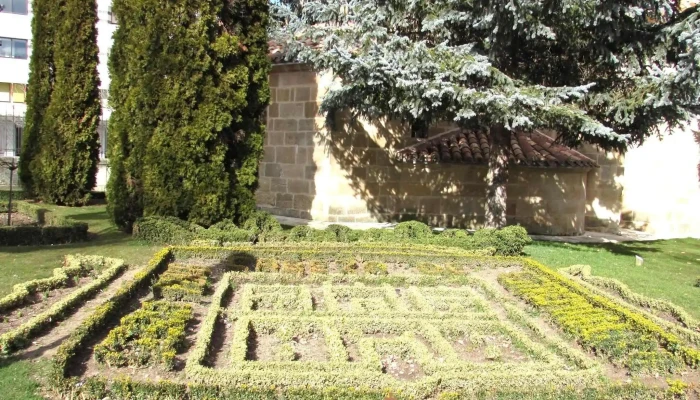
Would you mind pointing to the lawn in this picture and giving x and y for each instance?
(670, 269)
(23, 263)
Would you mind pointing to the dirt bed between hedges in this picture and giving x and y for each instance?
(38, 303)
(18, 219)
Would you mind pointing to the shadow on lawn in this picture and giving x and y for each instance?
(625, 249)
(97, 241)
(97, 216)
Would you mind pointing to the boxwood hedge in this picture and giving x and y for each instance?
(52, 229)
(262, 227)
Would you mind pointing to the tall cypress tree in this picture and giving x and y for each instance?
(252, 19)
(41, 80)
(69, 142)
(186, 132)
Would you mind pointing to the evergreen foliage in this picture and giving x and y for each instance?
(41, 80)
(597, 71)
(61, 150)
(187, 130)
(604, 72)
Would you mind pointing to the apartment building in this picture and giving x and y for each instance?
(15, 51)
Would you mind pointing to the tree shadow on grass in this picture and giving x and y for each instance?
(103, 240)
(624, 249)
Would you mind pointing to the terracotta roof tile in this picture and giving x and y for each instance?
(532, 149)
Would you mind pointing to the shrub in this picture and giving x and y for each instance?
(231, 235)
(341, 233)
(376, 268)
(376, 235)
(299, 233)
(151, 335)
(303, 233)
(697, 283)
(171, 230)
(454, 234)
(412, 230)
(225, 225)
(508, 241)
(182, 283)
(162, 230)
(262, 223)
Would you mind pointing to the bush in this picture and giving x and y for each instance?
(303, 233)
(162, 230)
(508, 241)
(341, 233)
(55, 229)
(262, 223)
(151, 335)
(224, 225)
(412, 230)
(376, 235)
(697, 283)
(454, 234)
(171, 230)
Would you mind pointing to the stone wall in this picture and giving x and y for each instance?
(288, 170)
(654, 187)
(347, 173)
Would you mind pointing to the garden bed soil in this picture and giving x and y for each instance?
(18, 219)
(38, 303)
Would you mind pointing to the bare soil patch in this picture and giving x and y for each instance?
(488, 348)
(38, 303)
(218, 356)
(18, 219)
(262, 347)
(351, 348)
(310, 348)
(403, 369)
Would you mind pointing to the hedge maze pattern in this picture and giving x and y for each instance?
(453, 338)
(280, 321)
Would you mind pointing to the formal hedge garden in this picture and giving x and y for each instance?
(368, 320)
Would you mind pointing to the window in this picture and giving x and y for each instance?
(5, 90)
(19, 93)
(102, 131)
(14, 6)
(112, 18)
(11, 137)
(13, 48)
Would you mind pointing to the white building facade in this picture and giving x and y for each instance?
(15, 50)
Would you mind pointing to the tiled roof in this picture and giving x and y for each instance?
(533, 149)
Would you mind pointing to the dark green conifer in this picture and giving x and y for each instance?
(41, 79)
(186, 132)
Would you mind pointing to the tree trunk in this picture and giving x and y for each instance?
(497, 176)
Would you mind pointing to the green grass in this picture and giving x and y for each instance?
(670, 269)
(19, 379)
(23, 263)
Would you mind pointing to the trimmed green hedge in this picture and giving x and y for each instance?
(21, 336)
(509, 241)
(263, 227)
(171, 230)
(54, 229)
(112, 309)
